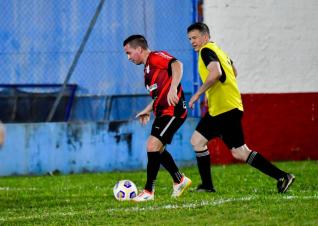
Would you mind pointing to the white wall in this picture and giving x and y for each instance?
(274, 44)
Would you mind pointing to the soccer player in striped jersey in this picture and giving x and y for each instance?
(162, 77)
(225, 111)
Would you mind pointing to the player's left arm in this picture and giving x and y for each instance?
(177, 70)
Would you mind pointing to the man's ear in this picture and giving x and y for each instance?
(139, 49)
(206, 36)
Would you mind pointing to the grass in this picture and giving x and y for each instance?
(244, 197)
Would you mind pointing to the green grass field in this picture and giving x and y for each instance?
(244, 197)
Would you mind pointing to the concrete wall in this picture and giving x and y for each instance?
(273, 43)
(274, 47)
(41, 148)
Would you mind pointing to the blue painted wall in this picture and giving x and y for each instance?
(41, 148)
(39, 39)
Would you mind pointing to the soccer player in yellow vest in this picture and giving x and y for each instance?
(225, 111)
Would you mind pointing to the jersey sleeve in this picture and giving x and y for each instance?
(162, 60)
(208, 56)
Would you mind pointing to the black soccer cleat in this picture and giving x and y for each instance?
(284, 182)
(203, 188)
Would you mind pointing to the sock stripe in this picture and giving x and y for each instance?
(202, 154)
(178, 176)
(251, 157)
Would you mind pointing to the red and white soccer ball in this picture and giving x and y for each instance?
(125, 190)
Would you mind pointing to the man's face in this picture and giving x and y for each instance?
(133, 54)
(197, 39)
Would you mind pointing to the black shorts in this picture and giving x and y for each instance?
(164, 127)
(227, 126)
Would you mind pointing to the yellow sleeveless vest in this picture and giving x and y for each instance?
(222, 97)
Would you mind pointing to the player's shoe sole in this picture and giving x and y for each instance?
(202, 188)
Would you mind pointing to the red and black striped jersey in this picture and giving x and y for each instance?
(158, 77)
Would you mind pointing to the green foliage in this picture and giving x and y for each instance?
(244, 197)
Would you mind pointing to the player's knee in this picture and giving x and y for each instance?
(241, 153)
(153, 145)
(198, 145)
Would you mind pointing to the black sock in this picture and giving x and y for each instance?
(204, 165)
(167, 161)
(153, 166)
(259, 162)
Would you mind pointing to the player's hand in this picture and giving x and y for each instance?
(193, 99)
(144, 117)
(172, 97)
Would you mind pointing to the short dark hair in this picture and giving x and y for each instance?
(135, 41)
(202, 27)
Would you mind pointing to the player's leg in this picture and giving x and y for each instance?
(206, 130)
(180, 181)
(234, 138)
(255, 159)
(154, 146)
(164, 129)
(169, 164)
(199, 144)
(162, 132)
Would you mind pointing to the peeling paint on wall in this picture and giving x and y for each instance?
(53, 148)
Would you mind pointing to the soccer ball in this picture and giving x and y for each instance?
(125, 190)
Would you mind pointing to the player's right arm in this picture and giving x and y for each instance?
(212, 63)
(172, 96)
(144, 115)
(215, 73)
